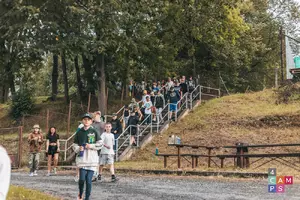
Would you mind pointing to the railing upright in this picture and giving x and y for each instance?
(138, 136)
(117, 150)
(66, 146)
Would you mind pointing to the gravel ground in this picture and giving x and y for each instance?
(136, 187)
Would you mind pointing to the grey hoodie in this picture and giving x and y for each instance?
(5, 170)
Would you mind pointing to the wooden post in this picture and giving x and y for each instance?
(193, 162)
(197, 161)
(209, 153)
(165, 161)
(89, 103)
(20, 149)
(47, 120)
(178, 163)
(23, 120)
(222, 162)
(69, 119)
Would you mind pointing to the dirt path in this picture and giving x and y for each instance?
(135, 187)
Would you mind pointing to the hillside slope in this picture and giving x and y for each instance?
(252, 118)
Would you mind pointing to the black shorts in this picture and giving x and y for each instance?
(133, 130)
(52, 150)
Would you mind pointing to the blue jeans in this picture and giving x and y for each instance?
(149, 119)
(85, 176)
(116, 137)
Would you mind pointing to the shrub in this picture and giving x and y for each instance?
(22, 103)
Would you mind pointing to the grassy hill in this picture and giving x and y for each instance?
(253, 118)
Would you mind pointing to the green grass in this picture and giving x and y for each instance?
(21, 193)
(225, 121)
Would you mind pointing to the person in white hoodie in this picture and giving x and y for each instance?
(5, 169)
(86, 143)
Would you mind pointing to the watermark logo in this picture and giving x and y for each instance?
(276, 184)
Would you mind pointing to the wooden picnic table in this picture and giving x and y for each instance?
(179, 146)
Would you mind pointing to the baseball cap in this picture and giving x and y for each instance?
(36, 126)
(87, 115)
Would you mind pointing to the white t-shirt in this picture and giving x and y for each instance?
(5, 170)
(148, 106)
(108, 140)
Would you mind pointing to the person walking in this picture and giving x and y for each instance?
(173, 98)
(5, 171)
(107, 153)
(159, 103)
(86, 143)
(52, 149)
(35, 141)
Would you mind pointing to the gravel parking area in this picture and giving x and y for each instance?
(137, 187)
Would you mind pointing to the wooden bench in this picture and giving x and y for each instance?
(274, 155)
(194, 157)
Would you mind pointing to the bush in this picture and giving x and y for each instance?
(22, 103)
(288, 92)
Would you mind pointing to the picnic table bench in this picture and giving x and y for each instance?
(241, 157)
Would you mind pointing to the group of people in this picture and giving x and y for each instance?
(154, 98)
(94, 142)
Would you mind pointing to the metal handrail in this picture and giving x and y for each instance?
(183, 101)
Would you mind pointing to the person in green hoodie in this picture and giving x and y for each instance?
(86, 143)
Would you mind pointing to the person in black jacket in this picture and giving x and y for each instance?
(116, 127)
(159, 103)
(133, 121)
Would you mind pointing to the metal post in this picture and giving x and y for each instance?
(191, 101)
(186, 101)
(117, 149)
(169, 112)
(138, 135)
(20, 146)
(66, 146)
(151, 123)
(176, 112)
(200, 98)
(157, 118)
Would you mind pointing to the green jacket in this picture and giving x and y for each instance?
(90, 156)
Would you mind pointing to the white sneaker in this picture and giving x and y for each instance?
(76, 179)
(31, 174)
(35, 173)
(48, 174)
(54, 171)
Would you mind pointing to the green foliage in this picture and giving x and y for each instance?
(22, 103)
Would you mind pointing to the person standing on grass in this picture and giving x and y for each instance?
(86, 143)
(5, 171)
(52, 149)
(35, 140)
(107, 153)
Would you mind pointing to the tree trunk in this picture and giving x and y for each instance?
(54, 77)
(100, 69)
(65, 78)
(88, 75)
(10, 78)
(78, 77)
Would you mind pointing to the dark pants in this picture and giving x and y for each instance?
(85, 176)
(148, 119)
